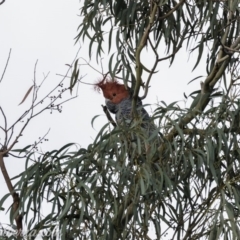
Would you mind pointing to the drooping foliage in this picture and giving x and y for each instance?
(130, 26)
(188, 186)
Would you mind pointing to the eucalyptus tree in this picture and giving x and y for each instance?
(188, 186)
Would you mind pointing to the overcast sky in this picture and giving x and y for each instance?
(44, 30)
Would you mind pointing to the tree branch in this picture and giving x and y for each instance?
(5, 127)
(7, 59)
(172, 10)
(138, 61)
(16, 200)
(109, 117)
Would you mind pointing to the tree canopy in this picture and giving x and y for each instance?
(191, 189)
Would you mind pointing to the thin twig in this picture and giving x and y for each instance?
(5, 126)
(109, 117)
(34, 97)
(15, 195)
(138, 61)
(87, 63)
(152, 71)
(10, 137)
(41, 100)
(160, 59)
(5, 174)
(79, 80)
(172, 10)
(7, 59)
(45, 77)
(39, 141)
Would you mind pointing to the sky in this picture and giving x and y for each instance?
(44, 31)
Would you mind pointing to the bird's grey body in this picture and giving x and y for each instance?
(123, 114)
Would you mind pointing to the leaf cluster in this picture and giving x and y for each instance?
(125, 185)
(163, 27)
(190, 189)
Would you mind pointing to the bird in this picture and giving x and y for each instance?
(118, 100)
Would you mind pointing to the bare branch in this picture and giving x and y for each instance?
(109, 117)
(35, 90)
(7, 59)
(87, 63)
(5, 127)
(16, 200)
(78, 79)
(5, 174)
(33, 106)
(10, 137)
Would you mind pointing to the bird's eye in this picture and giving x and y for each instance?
(114, 94)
